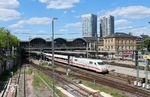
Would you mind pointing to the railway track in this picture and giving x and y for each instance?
(125, 65)
(72, 87)
(13, 86)
(17, 87)
(76, 89)
(86, 75)
(109, 82)
(115, 84)
(21, 90)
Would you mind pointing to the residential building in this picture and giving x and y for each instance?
(106, 25)
(89, 25)
(119, 42)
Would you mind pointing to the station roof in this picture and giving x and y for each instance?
(59, 38)
(36, 39)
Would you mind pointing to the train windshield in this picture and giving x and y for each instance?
(100, 63)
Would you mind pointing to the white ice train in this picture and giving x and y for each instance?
(92, 64)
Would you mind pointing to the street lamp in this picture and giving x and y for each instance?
(87, 45)
(146, 68)
(29, 48)
(53, 81)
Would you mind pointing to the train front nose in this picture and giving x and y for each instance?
(104, 69)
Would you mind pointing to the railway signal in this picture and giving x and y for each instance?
(146, 74)
(136, 57)
(137, 69)
(147, 63)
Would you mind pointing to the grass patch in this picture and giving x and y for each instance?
(109, 90)
(37, 82)
(29, 71)
(47, 79)
(45, 64)
(59, 93)
(113, 62)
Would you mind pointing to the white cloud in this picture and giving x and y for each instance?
(124, 28)
(135, 30)
(59, 4)
(8, 14)
(8, 10)
(9, 4)
(71, 11)
(28, 32)
(31, 21)
(44, 1)
(73, 25)
(22, 31)
(132, 12)
(37, 20)
(70, 26)
(121, 22)
(140, 31)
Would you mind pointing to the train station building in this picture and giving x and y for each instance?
(59, 43)
(115, 44)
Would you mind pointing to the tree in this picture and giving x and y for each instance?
(13, 41)
(145, 43)
(3, 36)
(7, 39)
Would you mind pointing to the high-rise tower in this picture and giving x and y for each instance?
(89, 25)
(106, 25)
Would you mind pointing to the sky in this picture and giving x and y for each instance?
(28, 19)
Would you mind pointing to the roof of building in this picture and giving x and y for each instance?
(62, 39)
(120, 35)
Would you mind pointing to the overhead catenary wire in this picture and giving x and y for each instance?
(131, 28)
